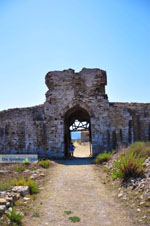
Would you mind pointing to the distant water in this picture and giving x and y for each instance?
(75, 135)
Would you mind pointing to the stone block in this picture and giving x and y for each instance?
(23, 190)
(3, 201)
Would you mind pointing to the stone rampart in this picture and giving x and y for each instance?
(44, 129)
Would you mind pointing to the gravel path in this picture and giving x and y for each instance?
(73, 185)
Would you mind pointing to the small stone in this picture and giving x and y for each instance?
(8, 204)
(33, 176)
(10, 209)
(141, 203)
(23, 190)
(142, 186)
(133, 187)
(139, 178)
(41, 188)
(3, 193)
(26, 199)
(141, 197)
(9, 199)
(26, 171)
(138, 210)
(3, 171)
(147, 196)
(3, 201)
(120, 194)
(17, 196)
(2, 208)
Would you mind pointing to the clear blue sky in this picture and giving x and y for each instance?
(75, 135)
(37, 36)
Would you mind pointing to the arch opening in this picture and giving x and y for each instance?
(76, 119)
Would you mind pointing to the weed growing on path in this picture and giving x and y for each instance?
(106, 170)
(74, 219)
(36, 214)
(67, 212)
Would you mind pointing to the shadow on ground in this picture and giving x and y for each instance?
(76, 161)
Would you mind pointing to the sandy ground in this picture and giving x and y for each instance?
(74, 185)
(82, 151)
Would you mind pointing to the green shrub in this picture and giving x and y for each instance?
(74, 219)
(33, 187)
(67, 212)
(26, 162)
(44, 163)
(20, 182)
(5, 185)
(15, 216)
(19, 168)
(129, 165)
(106, 170)
(36, 214)
(103, 157)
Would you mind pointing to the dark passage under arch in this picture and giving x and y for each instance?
(73, 114)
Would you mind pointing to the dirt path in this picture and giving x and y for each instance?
(73, 185)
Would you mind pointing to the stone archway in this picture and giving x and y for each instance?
(75, 113)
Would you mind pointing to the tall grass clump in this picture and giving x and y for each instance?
(5, 185)
(44, 163)
(103, 157)
(15, 216)
(20, 182)
(129, 165)
(33, 187)
(19, 168)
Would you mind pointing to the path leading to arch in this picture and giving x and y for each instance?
(74, 185)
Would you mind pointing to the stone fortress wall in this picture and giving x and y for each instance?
(41, 129)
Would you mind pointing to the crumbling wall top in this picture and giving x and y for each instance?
(53, 77)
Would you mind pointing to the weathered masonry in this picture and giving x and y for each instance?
(71, 96)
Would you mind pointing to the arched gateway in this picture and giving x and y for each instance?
(76, 96)
(71, 96)
(72, 115)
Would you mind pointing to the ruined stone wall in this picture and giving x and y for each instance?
(84, 136)
(129, 122)
(42, 129)
(22, 130)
